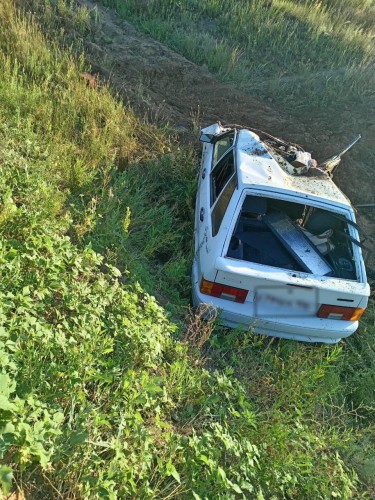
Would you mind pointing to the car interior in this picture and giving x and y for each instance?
(293, 236)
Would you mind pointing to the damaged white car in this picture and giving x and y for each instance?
(277, 247)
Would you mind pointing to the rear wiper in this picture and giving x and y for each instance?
(351, 223)
(353, 240)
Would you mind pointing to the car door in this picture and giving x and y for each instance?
(212, 154)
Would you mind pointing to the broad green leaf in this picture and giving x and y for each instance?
(77, 437)
(236, 488)
(176, 475)
(5, 404)
(4, 384)
(58, 417)
(221, 472)
(6, 476)
(42, 453)
(171, 471)
(6, 441)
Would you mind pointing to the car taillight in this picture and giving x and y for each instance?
(339, 312)
(223, 291)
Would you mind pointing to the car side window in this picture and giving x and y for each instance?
(222, 145)
(221, 205)
(223, 184)
(220, 175)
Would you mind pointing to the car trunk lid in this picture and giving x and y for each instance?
(277, 292)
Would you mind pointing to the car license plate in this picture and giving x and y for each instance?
(285, 301)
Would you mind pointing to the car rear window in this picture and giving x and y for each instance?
(293, 236)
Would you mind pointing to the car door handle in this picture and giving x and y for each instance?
(201, 215)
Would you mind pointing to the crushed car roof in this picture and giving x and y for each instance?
(258, 165)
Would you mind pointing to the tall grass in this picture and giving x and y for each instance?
(98, 399)
(83, 134)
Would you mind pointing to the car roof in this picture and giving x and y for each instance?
(259, 166)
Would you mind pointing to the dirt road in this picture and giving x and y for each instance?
(165, 87)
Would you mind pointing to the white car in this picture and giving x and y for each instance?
(276, 243)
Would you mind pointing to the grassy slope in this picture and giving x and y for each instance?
(307, 54)
(97, 398)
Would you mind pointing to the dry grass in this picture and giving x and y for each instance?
(200, 325)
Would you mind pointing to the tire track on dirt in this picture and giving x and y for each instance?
(167, 87)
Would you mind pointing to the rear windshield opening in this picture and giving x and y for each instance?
(293, 236)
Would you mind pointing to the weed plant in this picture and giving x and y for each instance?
(98, 398)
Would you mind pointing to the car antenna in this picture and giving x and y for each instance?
(330, 165)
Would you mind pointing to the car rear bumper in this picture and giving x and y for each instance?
(306, 329)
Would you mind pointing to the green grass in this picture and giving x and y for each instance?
(98, 396)
(285, 50)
